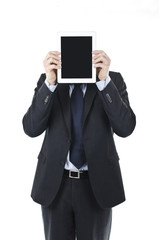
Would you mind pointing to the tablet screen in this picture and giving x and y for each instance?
(76, 56)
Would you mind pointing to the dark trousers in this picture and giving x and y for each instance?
(75, 213)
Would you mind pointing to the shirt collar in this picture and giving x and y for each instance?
(83, 86)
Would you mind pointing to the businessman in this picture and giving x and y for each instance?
(78, 179)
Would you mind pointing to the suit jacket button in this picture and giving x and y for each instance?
(69, 141)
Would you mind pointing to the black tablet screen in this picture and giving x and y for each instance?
(76, 57)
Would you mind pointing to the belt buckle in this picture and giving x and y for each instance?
(78, 177)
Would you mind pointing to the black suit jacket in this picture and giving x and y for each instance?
(105, 112)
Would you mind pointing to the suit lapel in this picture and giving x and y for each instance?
(88, 100)
(63, 93)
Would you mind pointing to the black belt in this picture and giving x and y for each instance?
(76, 174)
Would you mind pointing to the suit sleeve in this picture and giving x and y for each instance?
(35, 120)
(117, 107)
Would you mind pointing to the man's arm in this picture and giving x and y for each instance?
(117, 107)
(114, 97)
(35, 120)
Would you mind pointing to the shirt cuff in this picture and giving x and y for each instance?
(51, 87)
(103, 83)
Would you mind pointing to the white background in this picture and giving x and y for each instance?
(127, 31)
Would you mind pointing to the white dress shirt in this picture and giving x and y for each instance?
(101, 85)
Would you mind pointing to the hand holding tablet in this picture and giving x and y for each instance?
(51, 63)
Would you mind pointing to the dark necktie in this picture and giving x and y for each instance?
(77, 155)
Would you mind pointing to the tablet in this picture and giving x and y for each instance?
(76, 57)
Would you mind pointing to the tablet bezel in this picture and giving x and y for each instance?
(73, 34)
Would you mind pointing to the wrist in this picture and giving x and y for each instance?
(50, 82)
(103, 78)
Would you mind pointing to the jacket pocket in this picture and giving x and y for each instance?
(114, 158)
(41, 157)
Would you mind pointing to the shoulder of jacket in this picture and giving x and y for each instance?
(41, 79)
(117, 78)
(113, 74)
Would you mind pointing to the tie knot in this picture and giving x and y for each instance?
(77, 91)
(78, 85)
(77, 88)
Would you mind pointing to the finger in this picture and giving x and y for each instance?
(102, 65)
(107, 56)
(101, 53)
(100, 58)
(54, 54)
(53, 66)
(103, 59)
(97, 51)
(51, 55)
(53, 60)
